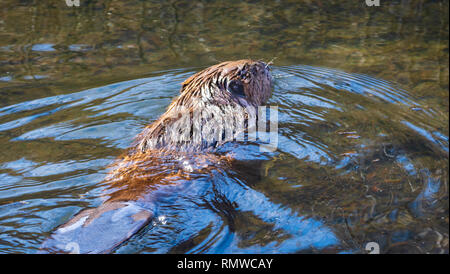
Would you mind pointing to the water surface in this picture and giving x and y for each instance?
(362, 94)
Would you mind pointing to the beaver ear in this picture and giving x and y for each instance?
(236, 87)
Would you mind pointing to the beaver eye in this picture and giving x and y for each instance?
(237, 88)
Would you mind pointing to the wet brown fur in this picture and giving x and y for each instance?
(156, 159)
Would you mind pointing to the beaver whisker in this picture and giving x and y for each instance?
(270, 62)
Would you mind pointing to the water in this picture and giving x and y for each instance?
(362, 95)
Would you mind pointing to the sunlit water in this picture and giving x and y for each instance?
(359, 160)
(363, 121)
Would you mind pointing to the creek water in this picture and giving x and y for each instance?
(362, 96)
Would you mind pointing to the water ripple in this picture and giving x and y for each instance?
(352, 149)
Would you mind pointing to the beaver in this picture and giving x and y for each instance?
(214, 107)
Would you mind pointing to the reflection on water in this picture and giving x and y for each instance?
(356, 163)
(363, 128)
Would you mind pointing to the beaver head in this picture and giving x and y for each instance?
(244, 82)
(214, 99)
